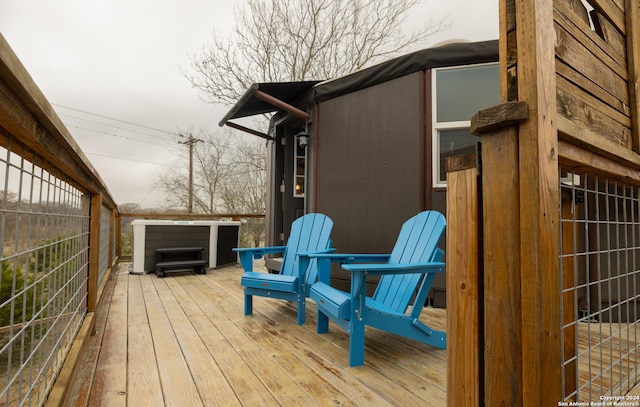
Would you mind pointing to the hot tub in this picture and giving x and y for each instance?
(218, 238)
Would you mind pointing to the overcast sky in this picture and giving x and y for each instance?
(99, 60)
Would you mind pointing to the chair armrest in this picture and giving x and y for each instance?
(305, 260)
(381, 269)
(324, 260)
(248, 254)
(260, 250)
(314, 254)
(352, 258)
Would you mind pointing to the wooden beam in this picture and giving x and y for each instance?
(539, 210)
(572, 156)
(461, 162)
(496, 117)
(248, 130)
(282, 105)
(463, 287)
(189, 216)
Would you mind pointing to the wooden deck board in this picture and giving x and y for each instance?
(204, 370)
(177, 383)
(110, 383)
(80, 390)
(142, 370)
(184, 340)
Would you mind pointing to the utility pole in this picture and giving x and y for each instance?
(190, 141)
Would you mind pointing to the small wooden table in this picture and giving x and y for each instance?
(180, 258)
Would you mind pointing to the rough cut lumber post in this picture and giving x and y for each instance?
(501, 222)
(94, 251)
(632, 14)
(464, 382)
(539, 209)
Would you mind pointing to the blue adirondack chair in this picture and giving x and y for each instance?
(409, 269)
(309, 234)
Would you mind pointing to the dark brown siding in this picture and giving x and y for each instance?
(370, 163)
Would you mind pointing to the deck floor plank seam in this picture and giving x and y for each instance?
(285, 315)
(204, 369)
(110, 385)
(178, 387)
(80, 391)
(143, 378)
(223, 345)
(189, 331)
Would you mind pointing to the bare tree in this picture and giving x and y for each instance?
(295, 40)
(174, 184)
(211, 164)
(229, 176)
(245, 189)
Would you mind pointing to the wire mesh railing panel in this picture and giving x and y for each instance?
(44, 229)
(600, 280)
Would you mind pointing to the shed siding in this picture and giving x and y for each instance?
(158, 236)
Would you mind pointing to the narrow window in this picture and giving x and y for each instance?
(299, 170)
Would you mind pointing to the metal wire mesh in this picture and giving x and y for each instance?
(44, 229)
(600, 280)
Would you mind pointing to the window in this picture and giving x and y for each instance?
(299, 170)
(459, 92)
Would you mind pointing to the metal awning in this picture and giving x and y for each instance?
(267, 97)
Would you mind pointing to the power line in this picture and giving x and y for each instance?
(116, 135)
(115, 127)
(112, 118)
(130, 159)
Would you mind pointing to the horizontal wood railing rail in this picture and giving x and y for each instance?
(189, 216)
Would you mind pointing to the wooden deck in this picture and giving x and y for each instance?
(183, 341)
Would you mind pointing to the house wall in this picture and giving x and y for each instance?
(371, 173)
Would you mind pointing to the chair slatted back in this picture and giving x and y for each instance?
(309, 233)
(417, 242)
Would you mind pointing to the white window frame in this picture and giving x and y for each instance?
(438, 127)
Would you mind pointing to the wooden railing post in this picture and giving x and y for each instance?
(464, 384)
(539, 239)
(502, 340)
(94, 252)
(113, 236)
